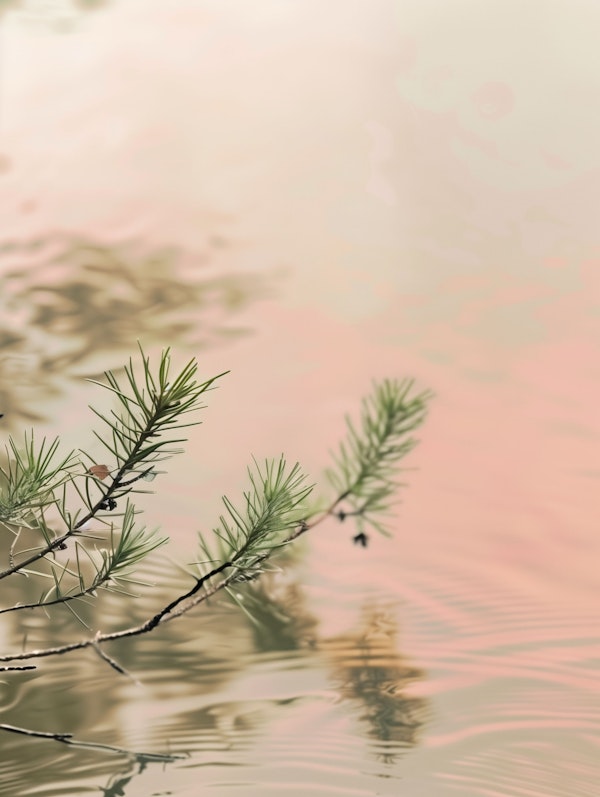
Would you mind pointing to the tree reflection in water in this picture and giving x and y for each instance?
(55, 15)
(365, 665)
(368, 670)
(276, 610)
(217, 708)
(69, 302)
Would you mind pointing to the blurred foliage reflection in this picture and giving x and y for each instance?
(368, 670)
(70, 306)
(53, 11)
(365, 665)
(211, 677)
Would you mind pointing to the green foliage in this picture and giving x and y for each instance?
(151, 408)
(147, 411)
(31, 478)
(367, 461)
(65, 511)
(272, 509)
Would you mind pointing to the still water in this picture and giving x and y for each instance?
(312, 196)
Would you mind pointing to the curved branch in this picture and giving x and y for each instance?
(144, 628)
(67, 738)
(176, 608)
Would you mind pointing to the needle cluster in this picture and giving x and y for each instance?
(271, 510)
(366, 464)
(151, 408)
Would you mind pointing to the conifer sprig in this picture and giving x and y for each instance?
(30, 478)
(366, 464)
(39, 491)
(272, 508)
(140, 434)
(274, 511)
(110, 566)
(149, 407)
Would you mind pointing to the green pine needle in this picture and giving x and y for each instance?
(272, 508)
(32, 475)
(366, 465)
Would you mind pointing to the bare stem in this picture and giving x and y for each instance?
(67, 738)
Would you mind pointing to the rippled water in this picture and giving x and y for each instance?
(314, 196)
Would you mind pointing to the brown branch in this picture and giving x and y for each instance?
(58, 737)
(112, 662)
(62, 599)
(67, 738)
(175, 608)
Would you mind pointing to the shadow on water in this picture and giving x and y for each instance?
(69, 304)
(80, 694)
(116, 784)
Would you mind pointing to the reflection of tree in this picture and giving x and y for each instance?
(117, 782)
(6, 5)
(67, 301)
(79, 694)
(275, 606)
(51, 12)
(365, 665)
(369, 671)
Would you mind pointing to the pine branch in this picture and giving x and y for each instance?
(111, 566)
(148, 413)
(366, 464)
(273, 513)
(269, 520)
(31, 478)
(272, 508)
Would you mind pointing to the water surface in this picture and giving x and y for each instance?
(315, 197)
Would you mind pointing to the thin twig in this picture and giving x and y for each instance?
(176, 608)
(113, 663)
(99, 639)
(67, 738)
(62, 599)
